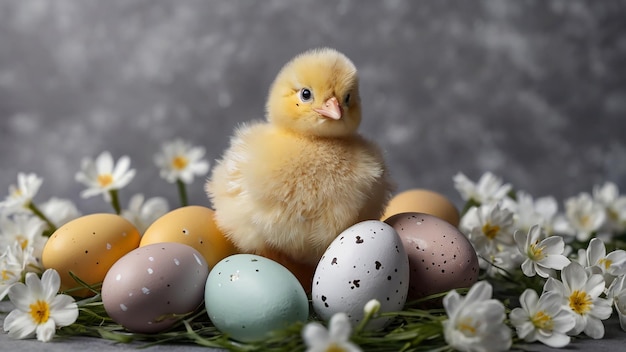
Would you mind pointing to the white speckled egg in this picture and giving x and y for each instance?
(146, 288)
(248, 296)
(366, 261)
(441, 258)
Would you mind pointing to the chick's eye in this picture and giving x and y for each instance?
(347, 100)
(306, 95)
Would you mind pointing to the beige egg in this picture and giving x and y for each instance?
(87, 247)
(194, 226)
(423, 201)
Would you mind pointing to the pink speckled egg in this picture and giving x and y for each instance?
(441, 258)
(151, 287)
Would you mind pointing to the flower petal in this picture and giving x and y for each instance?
(63, 310)
(50, 282)
(480, 291)
(555, 340)
(340, 327)
(594, 328)
(315, 334)
(19, 325)
(46, 331)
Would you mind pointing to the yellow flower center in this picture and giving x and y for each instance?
(491, 231)
(535, 252)
(542, 321)
(105, 179)
(179, 162)
(5, 275)
(466, 327)
(580, 302)
(23, 241)
(605, 262)
(584, 220)
(40, 311)
(333, 347)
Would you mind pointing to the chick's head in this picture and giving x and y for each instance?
(316, 93)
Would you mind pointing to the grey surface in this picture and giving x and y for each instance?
(534, 91)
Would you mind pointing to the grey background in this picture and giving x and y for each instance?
(533, 91)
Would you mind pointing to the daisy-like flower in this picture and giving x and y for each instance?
(583, 217)
(39, 310)
(610, 265)
(476, 322)
(489, 227)
(24, 229)
(336, 338)
(105, 177)
(542, 318)
(488, 189)
(529, 212)
(21, 195)
(580, 293)
(143, 214)
(617, 294)
(614, 204)
(10, 269)
(543, 254)
(179, 160)
(60, 211)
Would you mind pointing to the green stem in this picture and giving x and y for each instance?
(115, 201)
(42, 216)
(182, 193)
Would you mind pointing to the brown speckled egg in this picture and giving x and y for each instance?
(152, 287)
(422, 201)
(441, 258)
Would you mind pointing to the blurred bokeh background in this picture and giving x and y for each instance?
(533, 91)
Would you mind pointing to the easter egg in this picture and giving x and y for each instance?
(87, 247)
(441, 258)
(194, 226)
(151, 287)
(366, 261)
(422, 201)
(248, 296)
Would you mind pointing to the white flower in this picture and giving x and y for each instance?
(543, 254)
(580, 294)
(529, 212)
(476, 322)
(103, 175)
(39, 310)
(488, 227)
(141, 214)
(611, 265)
(60, 211)
(11, 268)
(542, 318)
(617, 294)
(614, 204)
(178, 160)
(336, 338)
(27, 230)
(22, 194)
(583, 217)
(488, 189)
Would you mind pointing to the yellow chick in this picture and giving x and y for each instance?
(286, 187)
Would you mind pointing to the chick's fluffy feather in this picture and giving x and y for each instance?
(293, 183)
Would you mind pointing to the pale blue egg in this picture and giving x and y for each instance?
(248, 296)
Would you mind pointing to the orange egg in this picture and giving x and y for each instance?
(194, 226)
(422, 201)
(87, 247)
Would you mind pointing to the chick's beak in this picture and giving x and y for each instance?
(331, 109)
